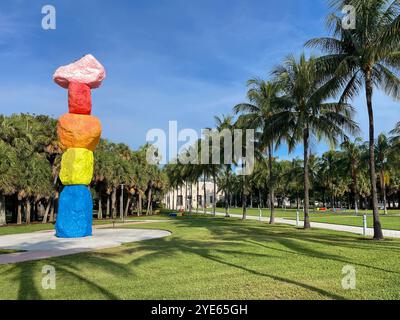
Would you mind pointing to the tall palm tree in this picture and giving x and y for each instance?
(351, 153)
(308, 115)
(226, 122)
(208, 169)
(294, 179)
(264, 101)
(383, 149)
(366, 56)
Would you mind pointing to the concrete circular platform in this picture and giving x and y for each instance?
(44, 244)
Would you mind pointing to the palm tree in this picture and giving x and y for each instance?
(383, 149)
(8, 161)
(264, 102)
(225, 123)
(173, 180)
(352, 162)
(366, 56)
(308, 116)
(225, 180)
(294, 179)
(259, 177)
(209, 169)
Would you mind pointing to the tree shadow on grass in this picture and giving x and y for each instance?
(221, 234)
(339, 239)
(292, 239)
(294, 248)
(26, 272)
(208, 250)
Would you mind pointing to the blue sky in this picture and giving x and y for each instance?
(166, 60)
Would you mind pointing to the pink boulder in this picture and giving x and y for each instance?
(86, 70)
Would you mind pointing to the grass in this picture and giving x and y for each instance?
(3, 251)
(390, 221)
(215, 258)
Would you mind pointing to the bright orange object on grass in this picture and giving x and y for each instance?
(78, 131)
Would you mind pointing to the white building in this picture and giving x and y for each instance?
(186, 196)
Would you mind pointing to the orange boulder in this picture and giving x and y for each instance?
(78, 131)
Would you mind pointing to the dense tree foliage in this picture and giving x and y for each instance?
(30, 163)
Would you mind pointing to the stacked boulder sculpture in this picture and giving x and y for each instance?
(79, 133)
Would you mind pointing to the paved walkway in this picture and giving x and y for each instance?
(319, 225)
(44, 244)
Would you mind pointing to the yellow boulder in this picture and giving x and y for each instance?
(76, 167)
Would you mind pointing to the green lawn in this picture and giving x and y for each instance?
(214, 258)
(390, 221)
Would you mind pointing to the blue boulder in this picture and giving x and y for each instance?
(75, 212)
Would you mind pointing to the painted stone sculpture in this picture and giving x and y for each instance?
(78, 133)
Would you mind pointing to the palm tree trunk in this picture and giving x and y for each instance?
(355, 191)
(46, 212)
(271, 187)
(108, 206)
(100, 211)
(306, 180)
(186, 196)
(244, 200)
(244, 208)
(205, 195)
(139, 208)
(28, 211)
(384, 199)
(52, 210)
(383, 187)
(2, 210)
(113, 203)
(19, 212)
(197, 196)
(128, 203)
(53, 217)
(214, 194)
(173, 200)
(378, 234)
(191, 197)
(121, 204)
(226, 202)
(148, 202)
(356, 203)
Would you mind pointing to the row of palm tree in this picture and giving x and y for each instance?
(30, 163)
(339, 178)
(307, 99)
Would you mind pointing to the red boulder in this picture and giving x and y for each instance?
(79, 98)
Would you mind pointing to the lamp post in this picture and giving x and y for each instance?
(365, 225)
